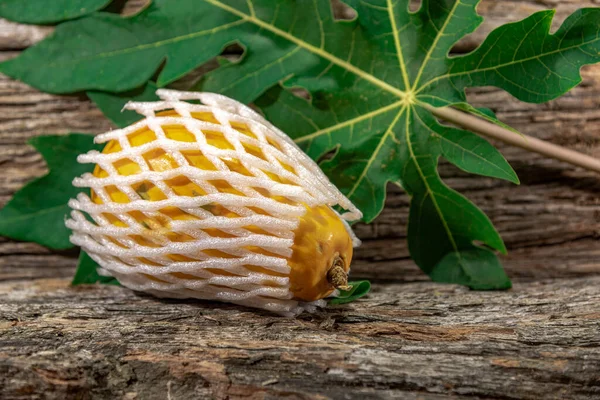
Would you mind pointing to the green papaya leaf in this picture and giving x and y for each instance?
(37, 212)
(119, 54)
(358, 289)
(111, 104)
(479, 267)
(524, 59)
(87, 272)
(48, 12)
(466, 150)
(371, 82)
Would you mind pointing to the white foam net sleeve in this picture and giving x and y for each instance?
(194, 272)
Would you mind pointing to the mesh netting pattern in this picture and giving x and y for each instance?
(165, 244)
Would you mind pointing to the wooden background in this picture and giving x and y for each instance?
(410, 339)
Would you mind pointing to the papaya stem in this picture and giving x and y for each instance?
(337, 275)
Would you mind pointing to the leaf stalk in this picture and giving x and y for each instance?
(528, 143)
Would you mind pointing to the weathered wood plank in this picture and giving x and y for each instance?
(416, 341)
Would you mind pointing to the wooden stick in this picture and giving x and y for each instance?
(488, 129)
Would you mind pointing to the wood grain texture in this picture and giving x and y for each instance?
(410, 339)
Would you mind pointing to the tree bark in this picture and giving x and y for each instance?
(416, 341)
(409, 339)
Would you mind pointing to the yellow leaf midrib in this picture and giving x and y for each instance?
(371, 159)
(316, 50)
(362, 74)
(442, 137)
(401, 63)
(151, 45)
(346, 65)
(430, 191)
(433, 45)
(349, 122)
(22, 217)
(499, 66)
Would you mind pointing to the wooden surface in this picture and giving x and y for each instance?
(414, 341)
(410, 339)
